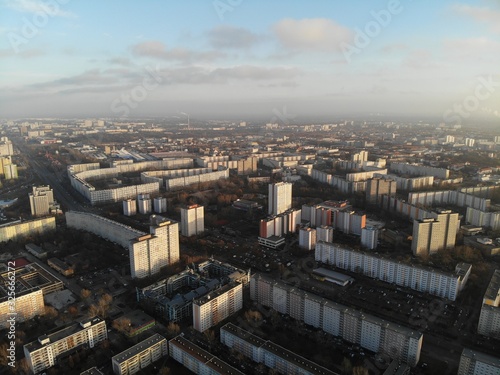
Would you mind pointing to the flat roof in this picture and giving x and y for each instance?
(138, 348)
(332, 274)
(243, 334)
(216, 293)
(481, 357)
(92, 371)
(62, 333)
(203, 356)
(493, 289)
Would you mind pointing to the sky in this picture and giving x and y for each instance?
(273, 59)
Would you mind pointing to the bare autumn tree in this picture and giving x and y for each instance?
(85, 295)
(122, 325)
(359, 370)
(173, 329)
(50, 312)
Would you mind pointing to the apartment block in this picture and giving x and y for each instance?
(324, 233)
(375, 334)
(30, 227)
(44, 352)
(144, 204)
(369, 237)
(160, 205)
(197, 359)
(377, 187)
(273, 229)
(270, 354)
(307, 238)
(424, 279)
(41, 200)
(192, 220)
(216, 306)
(433, 234)
(140, 356)
(280, 197)
(489, 319)
(130, 207)
(476, 363)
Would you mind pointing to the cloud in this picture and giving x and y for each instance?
(158, 50)
(471, 48)
(26, 54)
(396, 47)
(52, 8)
(318, 34)
(122, 61)
(484, 15)
(230, 37)
(420, 59)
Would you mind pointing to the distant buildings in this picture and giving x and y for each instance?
(280, 197)
(6, 147)
(360, 157)
(44, 352)
(217, 305)
(139, 356)
(476, 363)
(273, 229)
(41, 200)
(489, 320)
(10, 172)
(372, 333)
(433, 234)
(192, 220)
(442, 284)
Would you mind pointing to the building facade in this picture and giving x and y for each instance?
(44, 352)
(279, 198)
(41, 199)
(26, 228)
(377, 187)
(144, 204)
(489, 319)
(140, 356)
(442, 284)
(192, 220)
(372, 333)
(476, 363)
(216, 306)
(369, 237)
(307, 238)
(160, 205)
(129, 207)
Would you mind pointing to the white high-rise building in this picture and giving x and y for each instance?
(360, 157)
(489, 320)
(144, 203)
(45, 352)
(151, 252)
(307, 238)
(469, 142)
(41, 199)
(433, 234)
(280, 197)
(160, 205)
(324, 233)
(369, 237)
(192, 220)
(129, 207)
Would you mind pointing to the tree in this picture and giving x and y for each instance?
(173, 329)
(73, 310)
(50, 312)
(122, 325)
(85, 295)
(346, 366)
(164, 370)
(359, 370)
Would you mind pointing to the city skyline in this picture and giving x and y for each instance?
(242, 59)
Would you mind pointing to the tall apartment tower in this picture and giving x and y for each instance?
(129, 207)
(160, 205)
(377, 187)
(324, 233)
(360, 157)
(192, 220)
(307, 238)
(150, 252)
(369, 237)
(477, 363)
(41, 199)
(489, 320)
(433, 234)
(280, 197)
(144, 203)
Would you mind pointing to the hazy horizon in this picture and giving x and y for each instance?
(251, 59)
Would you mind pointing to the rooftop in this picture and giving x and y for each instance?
(493, 290)
(139, 348)
(481, 357)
